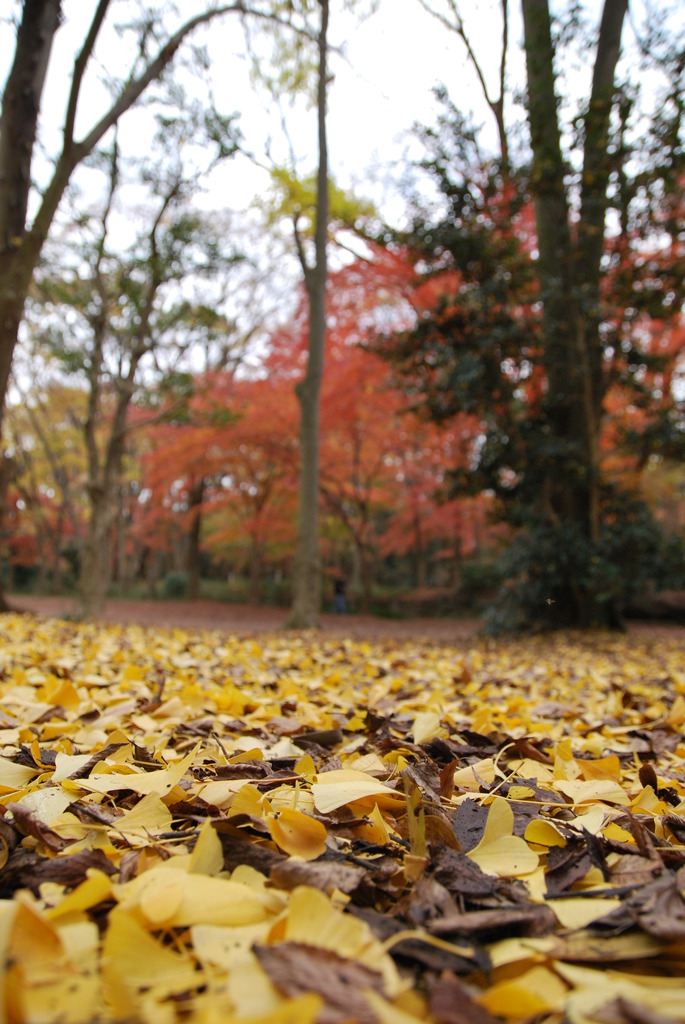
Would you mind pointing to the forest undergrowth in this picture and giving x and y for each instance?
(298, 828)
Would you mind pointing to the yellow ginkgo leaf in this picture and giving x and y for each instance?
(600, 768)
(303, 1010)
(15, 776)
(189, 882)
(61, 691)
(472, 776)
(133, 959)
(426, 726)
(33, 941)
(247, 800)
(161, 903)
(676, 716)
(222, 793)
(536, 991)
(207, 857)
(344, 786)
(596, 790)
(160, 782)
(500, 852)
(543, 833)
(68, 764)
(591, 820)
(46, 804)
(520, 793)
(387, 1013)
(81, 941)
(595, 988)
(78, 995)
(375, 829)
(311, 918)
(96, 888)
(297, 834)
(224, 946)
(580, 911)
(306, 767)
(618, 834)
(193, 898)
(148, 817)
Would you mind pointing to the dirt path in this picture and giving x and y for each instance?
(247, 619)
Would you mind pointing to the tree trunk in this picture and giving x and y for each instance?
(569, 282)
(95, 556)
(20, 244)
(193, 562)
(367, 576)
(20, 109)
(56, 569)
(6, 472)
(306, 606)
(255, 571)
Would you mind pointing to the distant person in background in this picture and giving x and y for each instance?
(339, 598)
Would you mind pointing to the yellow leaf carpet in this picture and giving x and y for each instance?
(200, 828)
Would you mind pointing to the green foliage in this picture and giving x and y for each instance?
(294, 198)
(546, 562)
(480, 344)
(479, 579)
(669, 564)
(290, 72)
(175, 585)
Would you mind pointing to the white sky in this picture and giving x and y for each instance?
(394, 58)
(381, 87)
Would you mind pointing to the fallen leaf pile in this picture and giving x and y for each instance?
(201, 828)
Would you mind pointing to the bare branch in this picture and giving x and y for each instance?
(79, 69)
(495, 105)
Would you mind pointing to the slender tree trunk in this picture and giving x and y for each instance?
(367, 576)
(356, 575)
(121, 561)
(569, 276)
(95, 556)
(420, 553)
(56, 570)
(255, 570)
(307, 564)
(193, 565)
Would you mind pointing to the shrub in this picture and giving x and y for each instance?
(175, 585)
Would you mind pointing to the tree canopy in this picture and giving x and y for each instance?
(532, 293)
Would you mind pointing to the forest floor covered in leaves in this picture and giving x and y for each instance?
(208, 825)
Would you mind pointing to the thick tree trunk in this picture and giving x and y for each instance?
(569, 274)
(6, 471)
(20, 109)
(96, 562)
(306, 605)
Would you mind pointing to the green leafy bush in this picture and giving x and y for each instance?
(175, 585)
